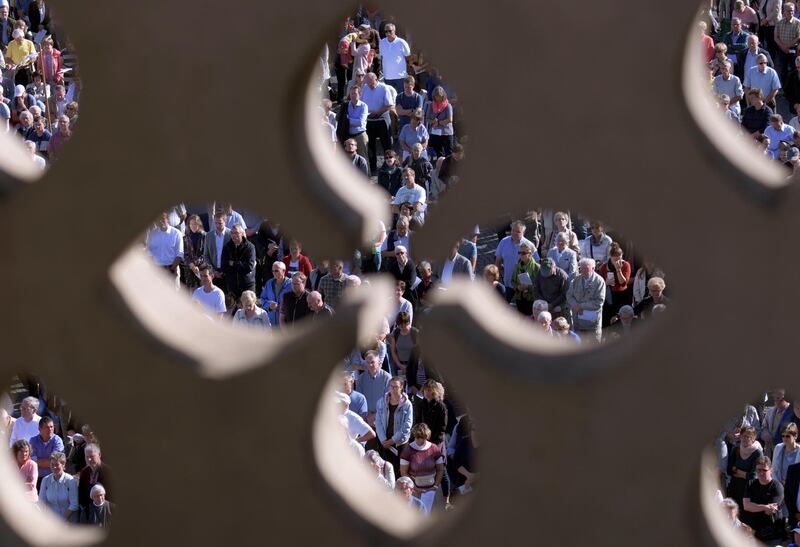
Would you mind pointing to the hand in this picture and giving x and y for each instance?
(577, 309)
(273, 305)
(371, 419)
(387, 443)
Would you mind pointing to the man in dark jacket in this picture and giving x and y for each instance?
(551, 284)
(239, 263)
(295, 302)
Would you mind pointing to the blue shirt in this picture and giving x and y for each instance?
(235, 218)
(358, 404)
(357, 116)
(508, 251)
(410, 137)
(412, 102)
(42, 450)
(377, 98)
(269, 293)
(767, 82)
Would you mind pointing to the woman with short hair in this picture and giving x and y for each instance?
(27, 468)
(423, 462)
(491, 273)
(59, 490)
(251, 313)
(384, 469)
(742, 464)
(439, 118)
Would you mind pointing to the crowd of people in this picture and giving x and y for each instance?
(759, 469)
(39, 88)
(59, 458)
(751, 55)
(399, 122)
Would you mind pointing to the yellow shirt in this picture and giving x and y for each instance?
(17, 53)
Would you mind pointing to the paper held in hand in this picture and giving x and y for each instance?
(588, 315)
(524, 279)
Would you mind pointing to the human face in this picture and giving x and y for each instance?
(525, 255)
(788, 11)
(585, 270)
(626, 319)
(752, 43)
(561, 223)
(762, 66)
(39, 126)
(3, 12)
(373, 365)
(237, 235)
(517, 231)
(764, 472)
(23, 456)
(736, 26)
(789, 439)
(219, 224)
(99, 497)
(249, 307)
(206, 279)
(193, 225)
(390, 34)
(544, 322)
(298, 286)
(748, 440)
(46, 430)
(402, 229)
(395, 388)
(372, 81)
(390, 161)
(350, 147)
(278, 273)
(416, 151)
(163, 222)
(60, 94)
(294, 250)
(57, 467)
(347, 385)
(27, 411)
(63, 125)
(408, 178)
(336, 269)
(406, 491)
(656, 293)
(408, 88)
(597, 231)
(92, 458)
(398, 290)
(355, 93)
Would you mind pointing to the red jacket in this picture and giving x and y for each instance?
(305, 264)
(626, 273)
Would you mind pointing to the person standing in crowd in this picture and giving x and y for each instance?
(775, 419)
(407, 102)
(211, 298)
(522, 278)
(215, 242)
(352, 123)
(763, 498)
(405, 486)
(318, 308)
(194, 242)
(550, 284)
(95, 472)
(423, 462)
(294, 304)
(412, 194)
(394, 53)
(44, 444)
(507, 254)
(27, 425)
(28, 469)
(251, 313)
(617, 275)
(98, 512)
(296, 261)
(764, 78)
(373, 383)
(586, 296)
(393, 420)
(333, 285)
(742, 464)
(165, 247)
(238, 263)
(59, 490)
(655, 296)
(787, 38)
(359, 161)
(439, 118)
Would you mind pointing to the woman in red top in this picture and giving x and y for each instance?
(50, 62)
(296, 261)
(423, 462)
(617, 274)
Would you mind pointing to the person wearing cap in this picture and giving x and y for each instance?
(550, 284)
(7, 24)
(357, 428)
(379, 103)
(22, 102)
(585, 296)
(19, 56)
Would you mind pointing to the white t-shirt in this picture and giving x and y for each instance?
(393, 55)
(164, 246)
(356, 426)
(413, 195)
(213, 302)
(24, 430)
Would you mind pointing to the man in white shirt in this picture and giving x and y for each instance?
(379, 100)
(357, 427)
(412, 193)
(28, 424)
(216, 239)
(165, 246)
(212, 298)
(394, 52)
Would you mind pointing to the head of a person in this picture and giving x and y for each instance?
(206, 277)
(761, 63)
(298, 283)
(561, 221)
(374, 460)
(63, 124)
(373, 362)
(28, 408)
(433, 390)
(752, 43)
(390, 158)
(458, 152)
(248, 301)
(656, 286)
(39, 126)
(724, 101)
(756, 97)
(626, 315)
(525, 253)
(400, 289)
(47, 44)
(517, 231)
(561, 326)
(355, 91)
(776, 121)
(237, 234)
(405, 486)
(561, 241)
(3, 10)
(22, 451)
(72, 109)
(424, 270)
(98, 494)
(409, 177)
(295, 249)
(163, 221)
(372, 80)
(391, 32)
(720, 50)
(46, 428)
(18, 35)
(545, 319)
(547, 267)
(421, 433)
(26, 119)
(596, 227)
(764, 469)
(402, 226)
(93, 455)
(60, 92)
(220, 220)
(314, 301)
(731, 508)
(351, 147)
(279, 271)
(747, 436)
(57, 462)
(736, 23)
(408, 84)
(538, 307)
(416, 150)
(348, 383)
(491, 273)
(439, 94)
(586, 267)
(336, 268)
(403, 321)
(401, 253)
(396, 385)
(615, 251)
(195, 223)
(789, 434)
(788, 10)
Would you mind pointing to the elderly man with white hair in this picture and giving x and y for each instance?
(405, 487)
(764, 78)
(621, 325)
(27, 425)
(318, 307)
(98, 512)
(95, 472)
(585, 297)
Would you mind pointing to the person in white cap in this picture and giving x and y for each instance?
(357, 428)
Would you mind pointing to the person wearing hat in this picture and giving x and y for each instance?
(357, 428)
(20, 55)
(7, 24)
(550, 284)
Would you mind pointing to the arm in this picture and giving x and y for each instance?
(403, 469)
(403, 430)
(439, 475)
(72, 495)
(393, 352)
(380, 421)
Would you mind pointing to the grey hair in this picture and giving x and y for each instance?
(96, 488)
(727, 63)
(759, 57)
(541, 305)
(33, 401)
(401, 247)
(315, 295)
(405, 482)
(730, 504)
(402, 221)
(545, 314)
(587, 262)
(626, 310)
(94, 448)
(562, 237)
(525, 245)
(424, 265)
(417, 145)
(374, 457)
(248, 296)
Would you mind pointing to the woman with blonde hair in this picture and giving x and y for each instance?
(432, 411)
(439, 118)
(251, 313)
(423, 462)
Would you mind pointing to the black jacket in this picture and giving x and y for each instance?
(239, 267)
